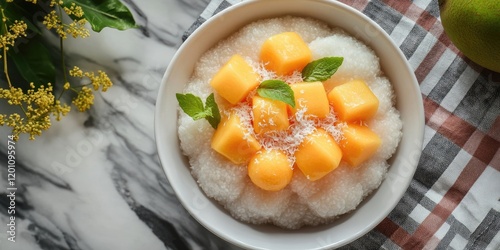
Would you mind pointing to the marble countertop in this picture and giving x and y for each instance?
(93, 181)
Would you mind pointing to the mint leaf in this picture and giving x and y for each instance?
(214, 117)
(277, 90)
(193, 106)
(321, 69)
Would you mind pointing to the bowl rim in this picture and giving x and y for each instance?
(198, 33)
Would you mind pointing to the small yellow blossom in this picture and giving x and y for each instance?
(104, 81)
(16, 30)
(76, 28)
(60, 109)
(36, 105)
(74, 10)
(13, 120)
(101, 80)
(53, 21)
(55, 2)
(76, 72)
(14, 96)
(84, 99)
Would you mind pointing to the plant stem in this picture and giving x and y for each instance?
(63, 63)
(5, 66)
(74, 90)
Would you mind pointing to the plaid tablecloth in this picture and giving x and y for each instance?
(453, 201)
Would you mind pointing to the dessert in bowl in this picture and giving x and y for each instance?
(222, 192)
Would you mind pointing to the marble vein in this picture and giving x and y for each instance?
(94, 181)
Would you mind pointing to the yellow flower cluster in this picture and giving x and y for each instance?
(53, 20)
(74, 10)
(98, 81)
(37, 104)
(85, 97)
(17, 29)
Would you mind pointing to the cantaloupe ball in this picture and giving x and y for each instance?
(233, 141)
(235, 80)
(270, 170)
(285, 53)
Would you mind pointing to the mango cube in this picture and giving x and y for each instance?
(311, 96)
(233, 141)
(318, 155)
(270, 170)
(235, 80)
(358, 144)
(285, 52)
(353, 101)
(269, 115)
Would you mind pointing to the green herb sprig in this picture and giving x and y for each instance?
(277, 90)
(321, 69)
(193, 106)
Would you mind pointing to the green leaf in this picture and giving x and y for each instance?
(193, 106)
(321, 69)
(277, 90)
(101, 14)
(214, 118)
(33, 60)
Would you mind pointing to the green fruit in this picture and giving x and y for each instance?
(474, 28)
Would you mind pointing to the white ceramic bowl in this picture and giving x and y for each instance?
(347, 228)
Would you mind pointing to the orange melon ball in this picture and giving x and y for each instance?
(270, 170)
